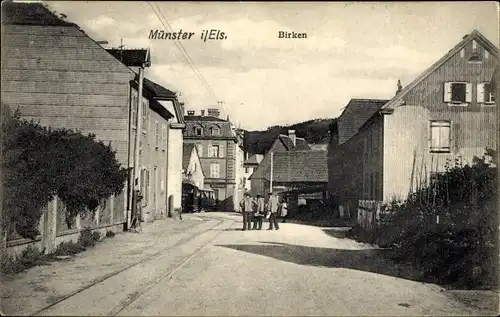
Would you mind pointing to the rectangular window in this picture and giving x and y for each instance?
(163, 137)
(214, 151)
(214, 131)
(486, 94)
(198, 131)
(221, 151)
(144, 114)
(157, 134)
(440, 137)
(214, 170)
(133, 106)
(457, 93)
(246, 170)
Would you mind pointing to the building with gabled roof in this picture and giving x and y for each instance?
(55, 74)
(446, 113)
(283, 143)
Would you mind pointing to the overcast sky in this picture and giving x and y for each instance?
(353, 50)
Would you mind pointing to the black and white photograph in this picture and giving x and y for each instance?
(183, 158)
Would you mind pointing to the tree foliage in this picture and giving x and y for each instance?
(448, 228)
(40, 163)
(314, 131)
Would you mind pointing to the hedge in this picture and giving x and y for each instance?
(40, 163)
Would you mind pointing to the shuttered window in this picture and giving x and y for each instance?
(457, 93)
(485, 93)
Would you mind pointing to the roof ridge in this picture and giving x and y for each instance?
(465, 40)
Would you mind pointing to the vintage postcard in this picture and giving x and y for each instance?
(249, 158)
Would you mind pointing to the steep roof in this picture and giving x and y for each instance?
(355, 114)
(131, 57)
(300, 143)
(254, 159)
(187, 150)
(203, 118)
(19, 13)
(474, 35)
(158, 90)
(299, 166)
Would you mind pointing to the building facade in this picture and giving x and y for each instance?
(217, 143)
(448, 113)
(249, 167)
(158, 149)
(283, 143)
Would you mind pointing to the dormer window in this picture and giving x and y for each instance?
(198, 131)
(214, 131)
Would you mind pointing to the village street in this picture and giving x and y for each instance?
(204, 265)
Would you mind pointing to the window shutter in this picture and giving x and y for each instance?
(480, 93)
(447, 92)
(221, 151)
(468, 92)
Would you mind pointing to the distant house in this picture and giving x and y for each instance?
(219, 148)
(250, 165)
(447, 113)
(192, 170)
(283, 143)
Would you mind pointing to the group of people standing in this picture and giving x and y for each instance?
(254, 211)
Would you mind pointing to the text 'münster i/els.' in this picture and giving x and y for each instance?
(206, 35)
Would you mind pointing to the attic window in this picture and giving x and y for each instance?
(486, 54)
(462, 53)
(475, 58)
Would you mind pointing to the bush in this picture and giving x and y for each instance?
(110, 234)
(458, 249)
(68, 248)
(88, 238)
(40, 163)
(30, 257)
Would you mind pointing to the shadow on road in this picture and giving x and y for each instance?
(371, 260)
(337, 232)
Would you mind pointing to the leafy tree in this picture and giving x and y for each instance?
(40, 163)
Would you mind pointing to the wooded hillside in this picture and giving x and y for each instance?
(315, 131)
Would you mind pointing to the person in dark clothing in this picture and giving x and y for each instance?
(272, 208)
(259, 214)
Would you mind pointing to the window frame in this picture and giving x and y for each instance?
(212, 153)
(448, 94)
(133, 105)
(440, 124)
(196, 131)
(212, 174)
(492, 93)
(214, 128)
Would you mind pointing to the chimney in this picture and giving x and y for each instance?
(213, 112)
(292, 136)
(183, 107)
(190, 113)
(202, 113)
(400, 87)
